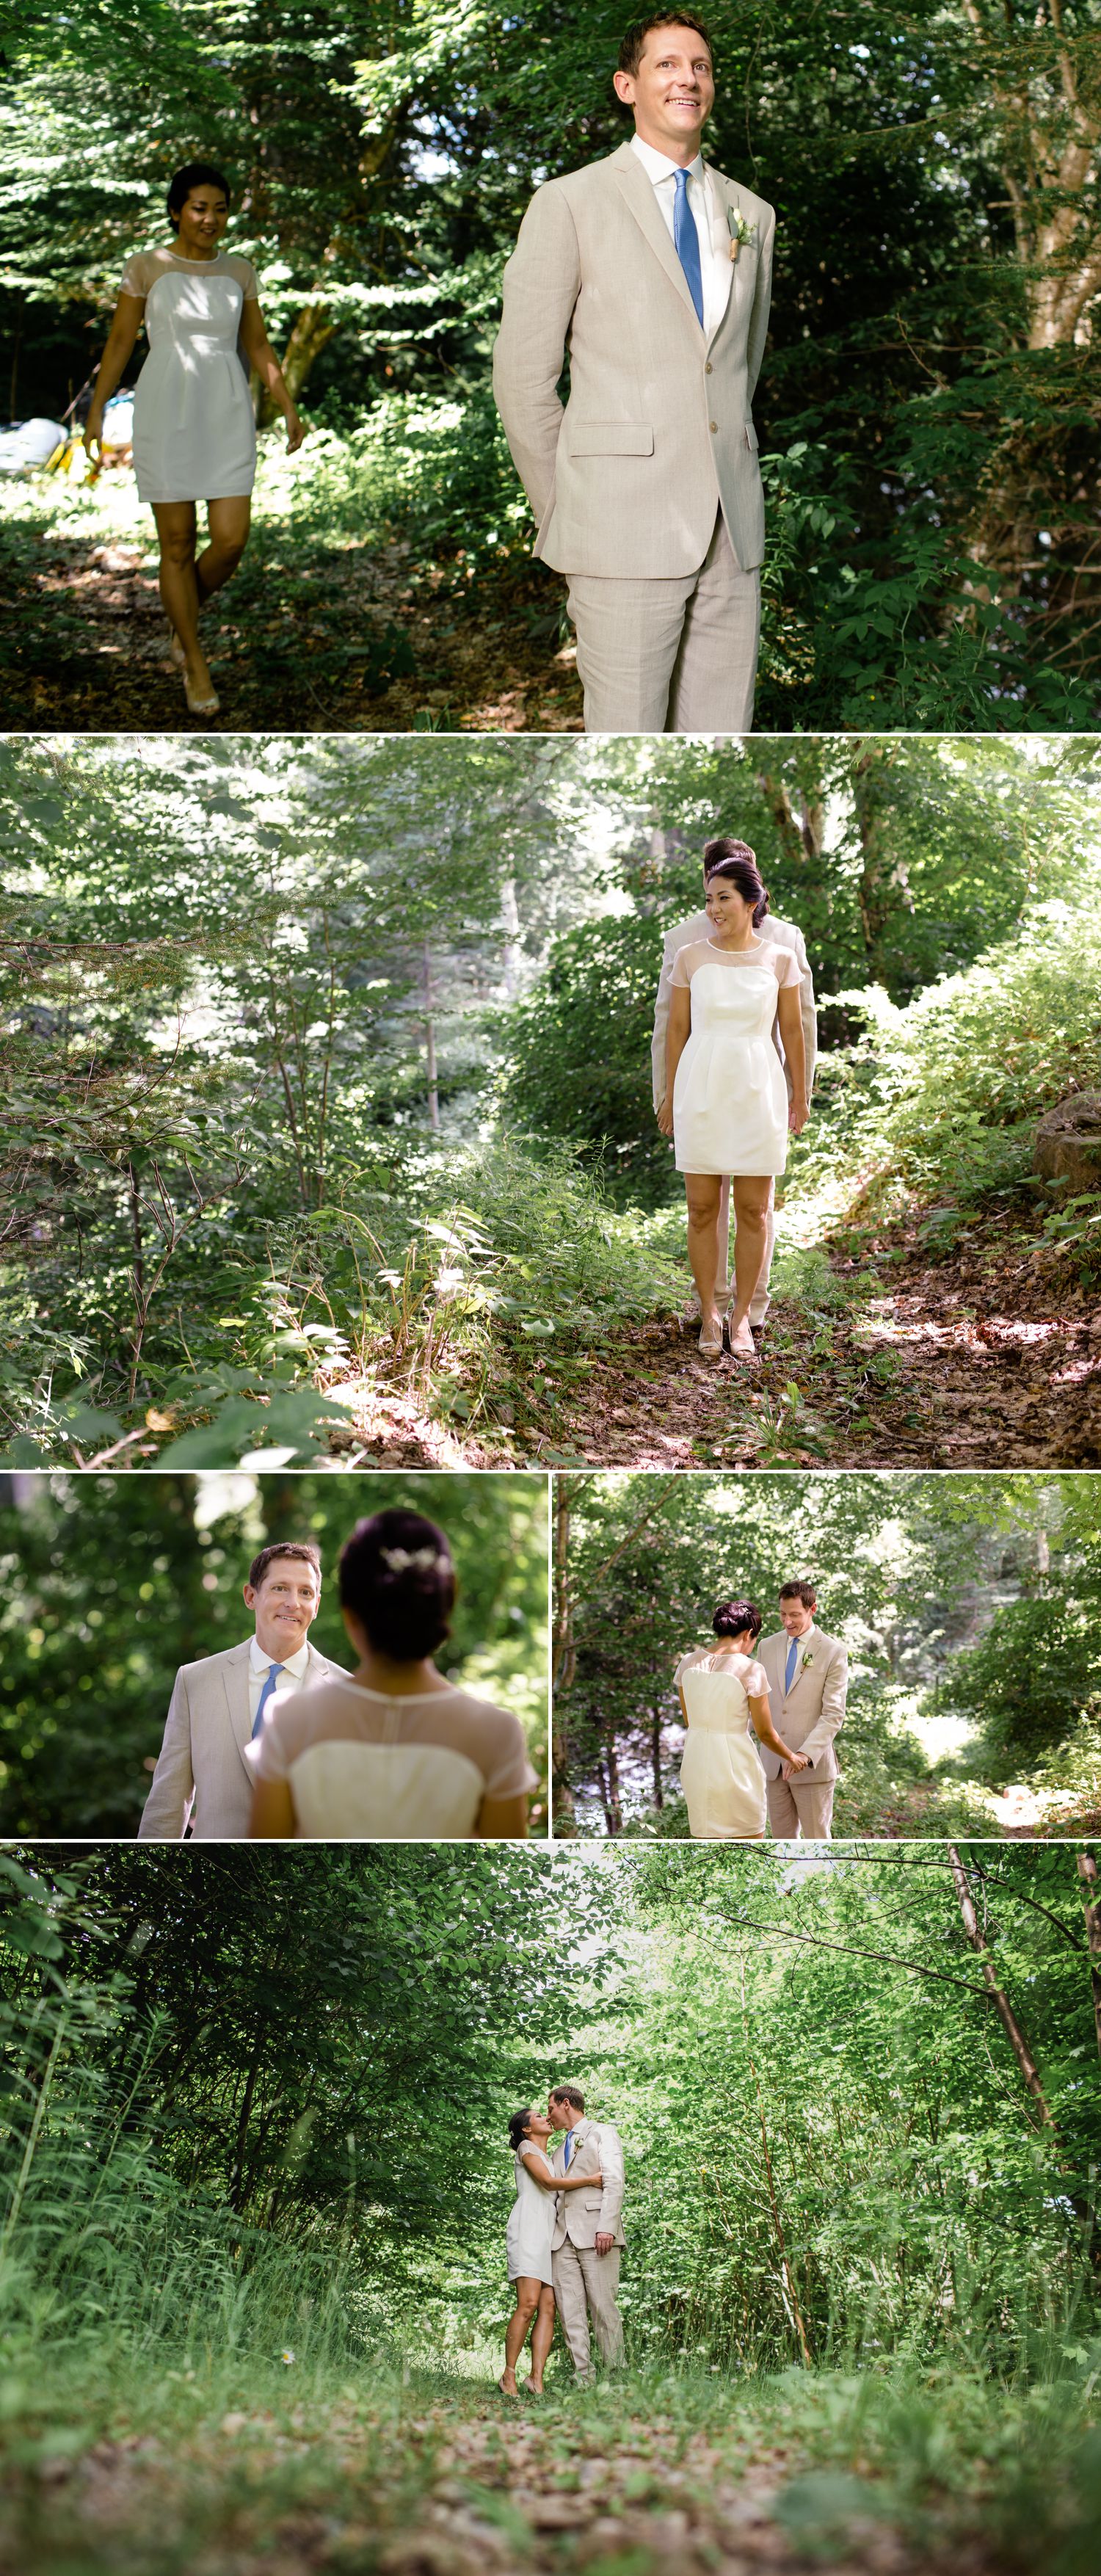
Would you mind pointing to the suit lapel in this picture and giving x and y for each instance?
(743, 270)
(636, 188)
(235, 1672)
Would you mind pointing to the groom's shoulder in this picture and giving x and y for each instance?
(755, 209)
(580, 186)
(204, 1664)
(682, 934)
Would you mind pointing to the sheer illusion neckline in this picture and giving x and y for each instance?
(396, 1698)
(753, 950)
(182, 257)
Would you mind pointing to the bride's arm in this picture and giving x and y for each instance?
(540, 2171)
(680, 1022)
(761, 1715)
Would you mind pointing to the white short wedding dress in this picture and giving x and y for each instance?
(194, 432)
(362, 1766)
(722, 1779)
(530, 2228)
(730, 1102)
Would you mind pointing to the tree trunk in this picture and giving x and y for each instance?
(430, 1042)
(1087, 1872)
(613, 1803)
(1007, 2017)
(310, 334)
(774, 2205)
(562, 1664)
(655, 1758)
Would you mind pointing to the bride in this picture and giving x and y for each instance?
(723, 1693)
(725, 1103)
(528, 2247)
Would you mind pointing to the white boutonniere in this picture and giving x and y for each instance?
(739, 229)
(804, 1662)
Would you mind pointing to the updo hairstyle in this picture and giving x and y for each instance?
(194, 174)
(397, 1578)
(517, 2128)
(733, 1617)
(736, 864)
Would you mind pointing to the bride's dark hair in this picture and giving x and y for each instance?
(732, 1617)
(736, 864)
(397, 1576)
(517, 2127)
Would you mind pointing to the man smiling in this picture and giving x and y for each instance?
(220, 1706)
(655, 271)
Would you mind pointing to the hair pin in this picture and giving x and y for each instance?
(399, 1559)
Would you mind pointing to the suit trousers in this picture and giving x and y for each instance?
(585, 2284)
(796, 1811)
(670, 656)
(760, 1301)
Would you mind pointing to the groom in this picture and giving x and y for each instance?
(203, 1775)
(654, 271)
(808, 1678)
(588, 2236)
(784, 935)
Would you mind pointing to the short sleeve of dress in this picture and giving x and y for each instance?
(135, 275)
(246, 277)
(787, 967)
(755, 1681)
(507, 1770)
(680, 974)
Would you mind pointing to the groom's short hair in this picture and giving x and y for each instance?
(634, 39)
(306, 1548)
(570, 2093)
(801, 1590)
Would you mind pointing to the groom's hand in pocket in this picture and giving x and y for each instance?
(604, 2243)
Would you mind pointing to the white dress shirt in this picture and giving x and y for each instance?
(716, 266)
(289, 1678)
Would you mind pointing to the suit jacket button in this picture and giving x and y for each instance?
(714, 427)
(707, 367)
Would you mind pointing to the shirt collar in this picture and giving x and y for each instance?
(294, 1664)
(658, 166)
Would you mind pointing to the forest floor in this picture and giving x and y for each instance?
(312, 636)
(985, 1358)
(443, 2478)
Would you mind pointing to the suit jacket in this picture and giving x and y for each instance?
(202, 1772)
(809, 1714)
(582, 2216)
(699, 927)
(658, 429)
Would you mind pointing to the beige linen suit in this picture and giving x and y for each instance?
(203, 1773)
(585, 2282)
(785, 934)
(808, 1717)
(649, 473)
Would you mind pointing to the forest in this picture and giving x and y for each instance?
(256, 2177)
(970, 1607)
(929, 436)
(111, 1583)
(326, 1129)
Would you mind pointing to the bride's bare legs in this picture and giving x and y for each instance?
(749, 1202)
(703, 1191)
(528, 2294)
(227, 525)
(542, 2337)
(179, 588)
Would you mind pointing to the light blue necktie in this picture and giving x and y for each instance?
(686, 242)
(789, 1667)
(566, 2151)
(271, 1678)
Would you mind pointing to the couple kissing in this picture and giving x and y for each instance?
(564, 2238)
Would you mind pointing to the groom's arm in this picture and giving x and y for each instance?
(762, 299)
(611, 2202)
(168, 1805)
(831, 1715)
(542, 282)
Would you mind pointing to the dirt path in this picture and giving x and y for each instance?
(457, 2488)
(986, 1361)
(340, 639)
